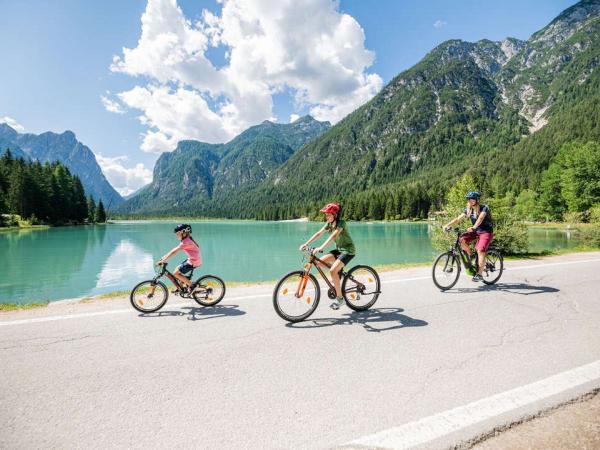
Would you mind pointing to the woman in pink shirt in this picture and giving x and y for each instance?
(190, 247)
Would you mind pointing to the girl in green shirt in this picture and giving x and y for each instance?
(343, 252)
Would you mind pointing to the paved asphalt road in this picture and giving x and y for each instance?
(100, 375)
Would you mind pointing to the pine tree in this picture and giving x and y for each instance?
(100, 213)
(91, 204)
(79, 202)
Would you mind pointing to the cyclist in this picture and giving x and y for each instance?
(343, 252)
(183, 232)
(481, 230)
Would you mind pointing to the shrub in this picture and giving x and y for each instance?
(591, 235)
(572, 217)
(595, 213)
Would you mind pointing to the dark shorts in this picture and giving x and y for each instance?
(185, 267)
(483, 239)
(342, 256)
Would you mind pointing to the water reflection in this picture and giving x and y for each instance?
(126, 258)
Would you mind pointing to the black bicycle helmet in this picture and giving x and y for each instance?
(473, 194)
(183, 227)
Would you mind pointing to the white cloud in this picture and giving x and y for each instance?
(124, 180)
(439, 24)
(294, 117)
(13, 124)
(112, 106)
(307, 47)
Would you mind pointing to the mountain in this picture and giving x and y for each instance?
(65, 148)
(192, 178)
(498, 109)
(501, 109)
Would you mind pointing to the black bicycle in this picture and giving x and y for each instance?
(446, 268)
(151, 295)
(297, 294)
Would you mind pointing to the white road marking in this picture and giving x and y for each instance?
(130, 310)
(439, 425)
(103, 313)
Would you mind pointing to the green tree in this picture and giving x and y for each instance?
(80, 211)
(580, 177)
(91, 209)
(100, 213)
(526, 205)
(551, 202)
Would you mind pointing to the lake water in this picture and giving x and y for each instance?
(69, 262)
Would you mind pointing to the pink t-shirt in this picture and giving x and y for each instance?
(192, 250)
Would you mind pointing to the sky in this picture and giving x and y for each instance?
(132, 78)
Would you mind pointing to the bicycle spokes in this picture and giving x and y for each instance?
(208, 290)
(148, 296)
(361, 287)
(296, 296)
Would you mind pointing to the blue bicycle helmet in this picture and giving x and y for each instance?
(473, 195)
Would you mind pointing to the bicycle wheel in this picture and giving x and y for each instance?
(445, 271)
(361, 288)
(494, 266)
(209, 290)
(149, 296)
(296, 296)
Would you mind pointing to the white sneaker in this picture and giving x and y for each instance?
(337, 303)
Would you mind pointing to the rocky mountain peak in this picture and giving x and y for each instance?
(7, 130)
(567, 23)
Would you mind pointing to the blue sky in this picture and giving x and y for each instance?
(57, 60)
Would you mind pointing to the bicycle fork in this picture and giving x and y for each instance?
(303, 282)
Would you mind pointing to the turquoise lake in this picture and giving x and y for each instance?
(69, 262)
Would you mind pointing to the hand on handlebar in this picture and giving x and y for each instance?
(303, 247)
(161, 262)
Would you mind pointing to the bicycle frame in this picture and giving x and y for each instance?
(313, 261)
(458, 250)
(173, 279)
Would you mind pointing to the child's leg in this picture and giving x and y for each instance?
(335, 276)
(328, 258)
(185, 282)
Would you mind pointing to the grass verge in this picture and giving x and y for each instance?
(21, 306)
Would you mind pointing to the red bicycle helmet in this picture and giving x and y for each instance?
(331, 208)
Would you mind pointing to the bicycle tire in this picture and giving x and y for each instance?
(455, 266)
(293, 278)
(138, 304)
(500, 260)
(206, 300)
(375, 290)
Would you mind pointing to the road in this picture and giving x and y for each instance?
(98, 374)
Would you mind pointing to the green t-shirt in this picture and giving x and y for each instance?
(343, 241)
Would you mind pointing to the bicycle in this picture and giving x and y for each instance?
(446, 268)
(295, 299)
(151, 295)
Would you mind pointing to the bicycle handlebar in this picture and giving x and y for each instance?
(454, 229)
(311, 250)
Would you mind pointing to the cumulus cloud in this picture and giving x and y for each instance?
(306, 47)
(294, 117)
(112, 106)
(124, 180)
(12, 123)
(439, 24)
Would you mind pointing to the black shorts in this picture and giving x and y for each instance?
(342, 256)
(185, 267)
